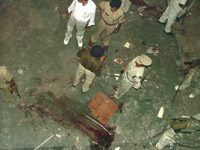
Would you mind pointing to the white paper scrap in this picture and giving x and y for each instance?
(127, 45)
(161, 112)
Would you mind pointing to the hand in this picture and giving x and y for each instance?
(88, 27)
(68, 14)
(182, 6)
(121, 71)
(103, 58)
(116, 30)
(124, 68)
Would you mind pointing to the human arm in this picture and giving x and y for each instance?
(123, 69)
(120, 21)
(116, 30)
(71, 8)
(91, 22)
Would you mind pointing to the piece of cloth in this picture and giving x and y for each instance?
(130, 78)
(81, 16)
(89, 77)
(107, 23)
(192, 79)
(5, 75)
(83, 13)
(126, 5)
(166, 139)
(89, 62)
(171, 13)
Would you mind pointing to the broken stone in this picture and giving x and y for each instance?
(57, 135)
(160, 113)
(127, 45)
(20, 71)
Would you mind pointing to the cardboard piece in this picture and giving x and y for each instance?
(102, 107)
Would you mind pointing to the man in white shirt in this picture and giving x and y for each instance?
(82, 14)
(132, 75)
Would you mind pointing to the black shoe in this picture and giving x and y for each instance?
(168, 33)
(177, 19)
(161, 22)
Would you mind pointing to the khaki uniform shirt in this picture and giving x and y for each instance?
(190, 136)
(110, 17)
(89, 62)
(5, 75)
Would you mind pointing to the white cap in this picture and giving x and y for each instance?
(144, 60)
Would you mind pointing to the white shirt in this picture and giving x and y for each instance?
(83, 13)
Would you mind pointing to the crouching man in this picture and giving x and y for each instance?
(132, 75)
(184, 132)
(91, 61)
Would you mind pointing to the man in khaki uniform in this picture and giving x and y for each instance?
(112, 16)
(90, 65)
(5, 77)
(132, 75)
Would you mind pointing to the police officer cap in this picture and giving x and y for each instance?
(144, 60)
(97, 51)
(115, 3)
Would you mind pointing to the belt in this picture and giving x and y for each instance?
(107, 23)
(132, 77)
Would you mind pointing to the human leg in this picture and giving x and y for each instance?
(172, 17)
(80, 32)
(88, 80)
(100, 28)
(164, 16)
(79, 73)
(70, 26)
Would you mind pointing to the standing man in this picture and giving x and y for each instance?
(90, 64)
(112, 17)
(82, 14)
(183, 12)
(7, 84)
(132, 75)
(171, 13)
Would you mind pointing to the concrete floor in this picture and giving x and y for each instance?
(31, 38)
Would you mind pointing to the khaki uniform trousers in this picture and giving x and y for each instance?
(124, 87)
(88, 79)
(102, 27)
